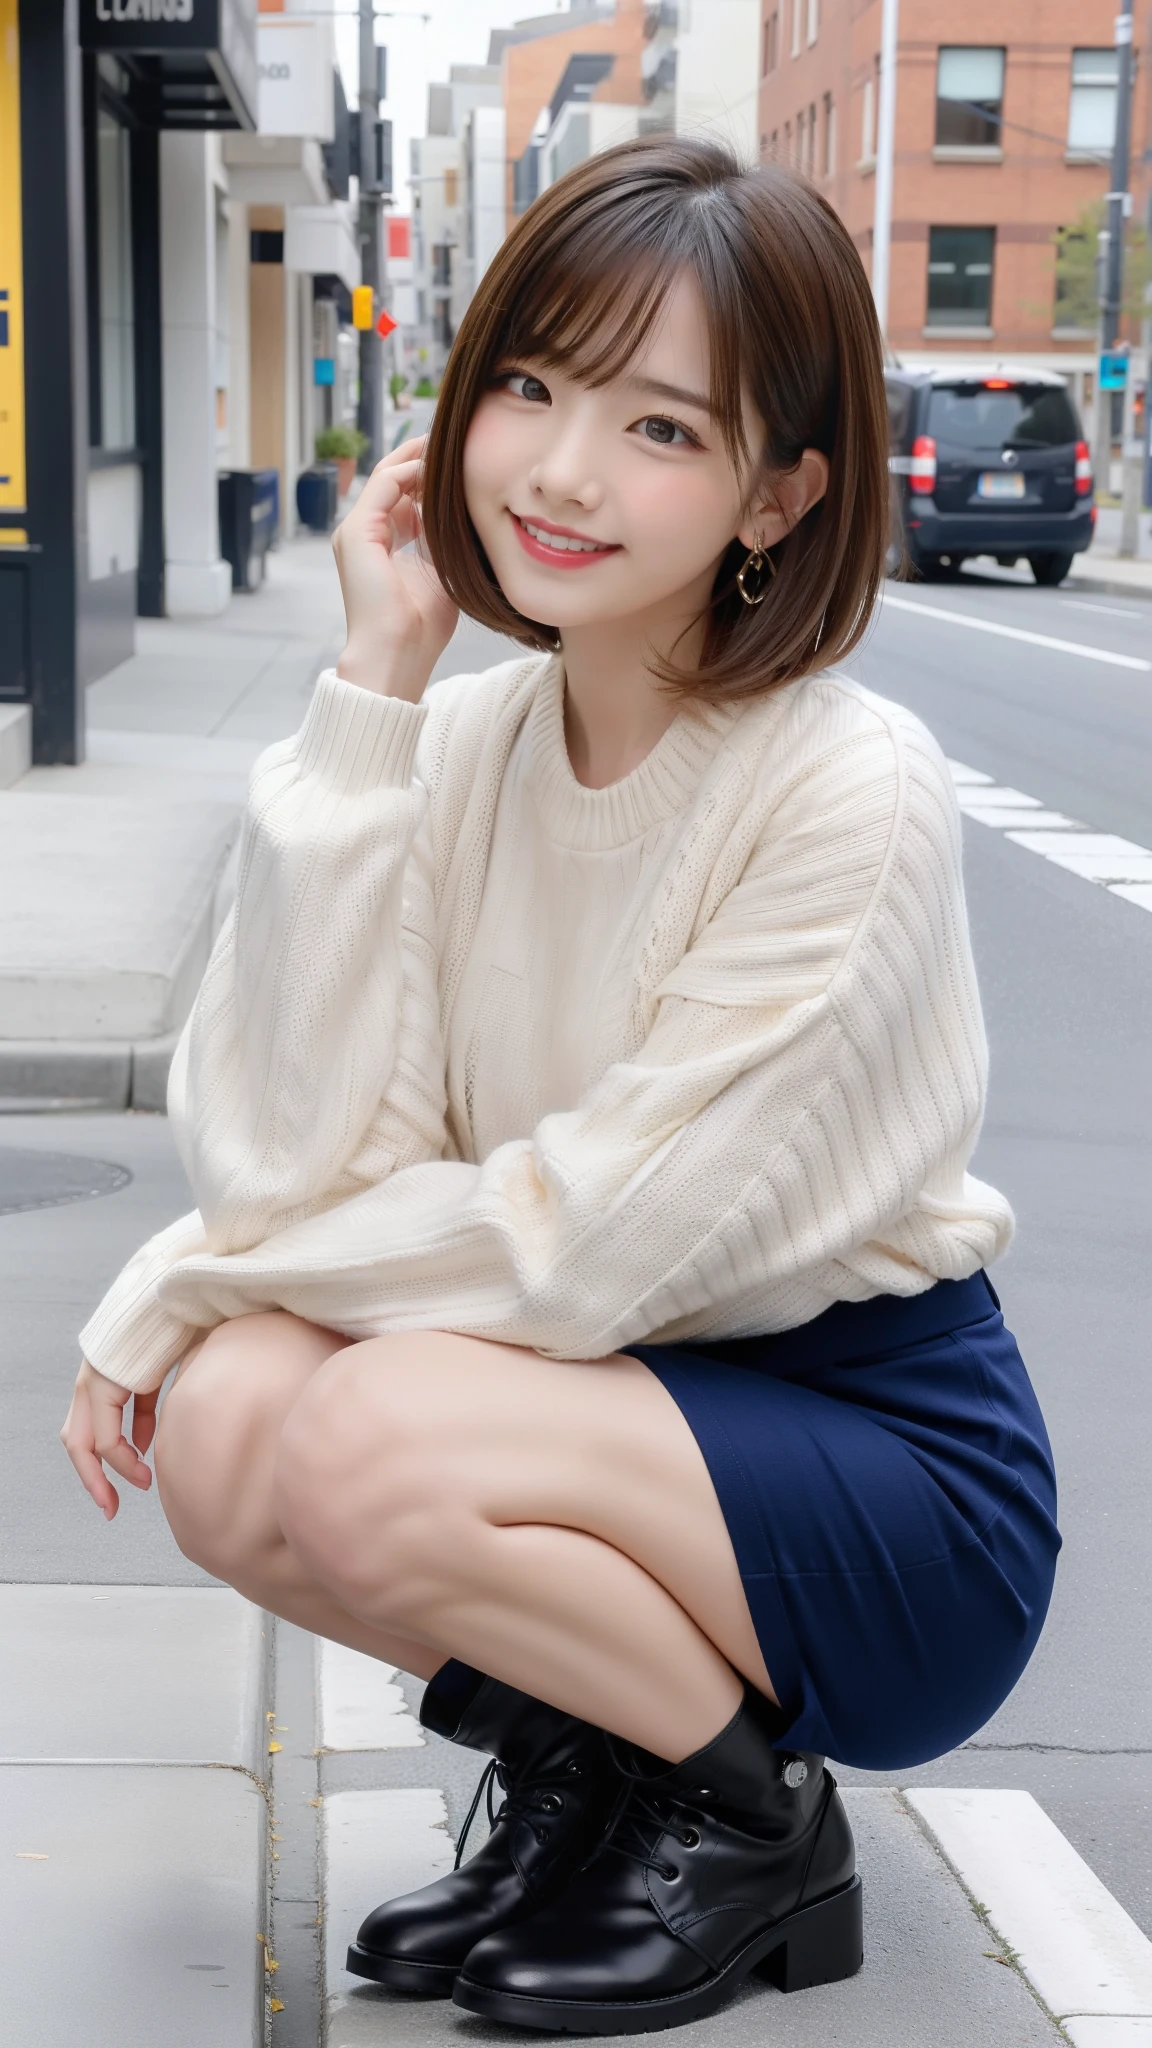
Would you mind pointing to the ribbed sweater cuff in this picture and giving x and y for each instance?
(135, 1352)
(355, 740)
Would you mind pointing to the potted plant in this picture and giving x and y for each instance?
(344, 446)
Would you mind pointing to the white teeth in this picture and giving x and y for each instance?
(562, 542)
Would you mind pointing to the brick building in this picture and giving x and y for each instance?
(536, 54)
(1002, 137)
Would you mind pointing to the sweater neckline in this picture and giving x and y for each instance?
(662, 784)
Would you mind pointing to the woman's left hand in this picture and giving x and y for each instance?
(93, 1435)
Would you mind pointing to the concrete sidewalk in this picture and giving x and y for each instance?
(133, 1817)
(117, 870)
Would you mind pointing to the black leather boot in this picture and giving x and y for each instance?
(560, 1787)
(739, 1859)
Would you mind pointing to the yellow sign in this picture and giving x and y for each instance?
(362, 306)
(12, 474)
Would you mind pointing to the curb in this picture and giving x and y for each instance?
(43, 1074)
(134, 1810)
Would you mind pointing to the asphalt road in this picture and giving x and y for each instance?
(1066, 973)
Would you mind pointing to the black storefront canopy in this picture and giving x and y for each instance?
(189, 63)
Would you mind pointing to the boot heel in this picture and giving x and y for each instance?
(821, 1943)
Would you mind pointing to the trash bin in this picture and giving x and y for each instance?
(249, 501)
(317, 489)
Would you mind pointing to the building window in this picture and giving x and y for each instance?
(969, 98)
(868, 123)
(788, 142)
(450, 186)
(114, 404)
(442, 264)
(829, 135)
(810, 165)
(771, 54)
(813, 20)
(960, 277)
(797, 6)
(574, 146)
(1092, 106)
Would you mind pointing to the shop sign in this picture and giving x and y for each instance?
(222, 32)
(1113, 369)
(12, 446)
(297, 59)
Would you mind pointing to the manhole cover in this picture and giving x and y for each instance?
(43, 1180)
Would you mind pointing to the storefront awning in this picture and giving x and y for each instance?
(189, 63)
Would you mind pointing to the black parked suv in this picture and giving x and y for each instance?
(989, 464)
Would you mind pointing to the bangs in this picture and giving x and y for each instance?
(594, 299)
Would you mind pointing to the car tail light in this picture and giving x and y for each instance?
(997, 384)
(922, 468)
(1083, 470)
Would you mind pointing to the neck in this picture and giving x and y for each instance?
(615, 710)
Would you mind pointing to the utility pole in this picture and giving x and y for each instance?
(370, 417)
(1111, 267)
(885, 161)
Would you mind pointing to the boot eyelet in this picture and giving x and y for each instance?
(669, 1873)
(691, 1838)
(574, 1769)
(551, 1803)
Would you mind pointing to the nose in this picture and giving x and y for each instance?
(565, 473)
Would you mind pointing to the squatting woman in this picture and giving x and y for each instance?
(585, 1305)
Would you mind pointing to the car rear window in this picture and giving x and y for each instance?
(1023, 416)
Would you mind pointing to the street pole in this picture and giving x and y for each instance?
(1118, 203)
(885, 162)
(370, 417)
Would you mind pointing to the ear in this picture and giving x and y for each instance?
(782, 505)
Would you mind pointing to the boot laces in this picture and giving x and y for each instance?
(649, 1813)
(519, 1802)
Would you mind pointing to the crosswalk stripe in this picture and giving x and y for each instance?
(1122, 866)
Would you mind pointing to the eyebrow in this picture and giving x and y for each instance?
(673, 391)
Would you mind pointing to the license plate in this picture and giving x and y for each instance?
(994, 484)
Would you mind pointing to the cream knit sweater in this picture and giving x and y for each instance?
(482, 1050)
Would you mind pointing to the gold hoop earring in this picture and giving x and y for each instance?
(755, 564)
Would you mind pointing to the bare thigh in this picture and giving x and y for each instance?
(444, 1434)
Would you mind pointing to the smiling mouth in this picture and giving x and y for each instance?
(564, 550)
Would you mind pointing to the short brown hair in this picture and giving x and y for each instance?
(578, 284)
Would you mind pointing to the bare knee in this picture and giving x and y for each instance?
(217, 1433)
(363, 1483)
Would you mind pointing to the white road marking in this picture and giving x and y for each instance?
(987, 814)
(1084, 604)
(1097, 856)
(377, 1845)
(1077, 647)
(1121, 866)
(360, 1706)
(1077, 1946)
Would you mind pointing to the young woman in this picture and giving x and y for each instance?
(585, 1304)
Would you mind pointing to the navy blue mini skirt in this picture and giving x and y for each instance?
(887, 1482)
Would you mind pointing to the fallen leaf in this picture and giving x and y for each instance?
(271, 1963)
(273, 1747)
(30, 1856)
(277, 2005)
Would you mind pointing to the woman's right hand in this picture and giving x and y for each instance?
(399, 618)
(93, 1436)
